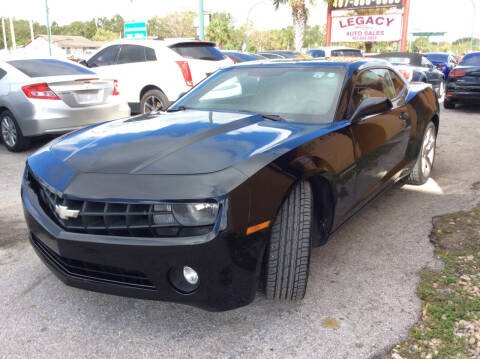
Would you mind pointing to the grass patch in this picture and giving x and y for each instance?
(450, 322)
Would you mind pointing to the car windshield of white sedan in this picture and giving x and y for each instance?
(297, 94)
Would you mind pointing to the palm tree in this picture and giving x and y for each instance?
(299, 15)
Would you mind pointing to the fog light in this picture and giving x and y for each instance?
(184, 279)
(190, 275)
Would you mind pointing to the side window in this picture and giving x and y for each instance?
(372, 83)
(426, 62)
(2, 73)
(150, 54)
(105, 57)
(397, 82)
(130, 54)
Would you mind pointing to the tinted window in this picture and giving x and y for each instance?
(105, 57)
(372, 83)
(347, 52)
(130, 54)
(269, 55)
(316, 53)
(471, 60)
(150, 54)
(199, 51)
(302, 94)
(48, 67)
(437, 57)
(397, 82)
(2, 73)
(425, 62)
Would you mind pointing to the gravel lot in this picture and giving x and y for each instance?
(365, 278)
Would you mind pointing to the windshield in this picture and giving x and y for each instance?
(398, 60)
(347, 53)
(471, 60)
(297, 94)
(437, 57)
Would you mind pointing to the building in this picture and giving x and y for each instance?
(68, 46)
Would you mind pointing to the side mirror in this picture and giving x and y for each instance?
(84, 63)
(371, 106)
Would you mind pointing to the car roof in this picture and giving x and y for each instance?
(157, 42)
(347, 62)
(334, 48)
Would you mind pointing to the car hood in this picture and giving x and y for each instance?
(181, 143)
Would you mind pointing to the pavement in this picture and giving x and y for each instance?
(364, 278)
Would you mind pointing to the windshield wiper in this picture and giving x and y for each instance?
(179, 108)
(272, 117)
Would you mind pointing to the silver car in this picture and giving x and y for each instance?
(49, 96)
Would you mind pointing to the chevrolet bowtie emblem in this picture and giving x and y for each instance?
(65, 213)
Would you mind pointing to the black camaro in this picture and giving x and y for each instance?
(232, 186)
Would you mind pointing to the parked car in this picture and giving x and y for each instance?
(333, 51)
(238, 56)
(416, 68)
(154, 73)
(442, 61)
(49, 96)
(232, 186)
(280, 54)
(463, 85)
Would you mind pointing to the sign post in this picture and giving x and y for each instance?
(135, 30)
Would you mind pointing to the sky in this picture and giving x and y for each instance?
(451, 16)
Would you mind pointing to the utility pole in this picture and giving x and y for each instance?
(473, 23)
(31, 30)
(48, 30)
(4, 34)
(12, 35)
(201, 34)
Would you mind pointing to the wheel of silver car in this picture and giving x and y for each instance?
(153, 100)
(11, 133)
(426, 157)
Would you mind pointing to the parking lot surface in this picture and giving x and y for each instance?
(365, 278)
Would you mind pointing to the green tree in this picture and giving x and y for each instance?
(299, 16)
(177, 24)
(104, 35)
(220, 29)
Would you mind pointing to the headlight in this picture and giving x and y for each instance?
(185, 214)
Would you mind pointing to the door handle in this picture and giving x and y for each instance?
(404, 118)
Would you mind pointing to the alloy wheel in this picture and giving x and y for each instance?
(152, 103)
(9, 131)
(428, 152)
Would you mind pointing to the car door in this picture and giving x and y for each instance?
(380, 140)
(134, 71)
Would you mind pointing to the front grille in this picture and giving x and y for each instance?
(91, 271)
(111, 218)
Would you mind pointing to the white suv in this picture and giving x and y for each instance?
(152, 74)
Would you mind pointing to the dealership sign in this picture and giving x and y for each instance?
(369, 28)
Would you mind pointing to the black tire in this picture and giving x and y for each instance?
(448, 104)
(418, 176)
(288, 252)
(20, 143)
(153, 100)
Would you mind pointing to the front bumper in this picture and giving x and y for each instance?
(228, 264)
